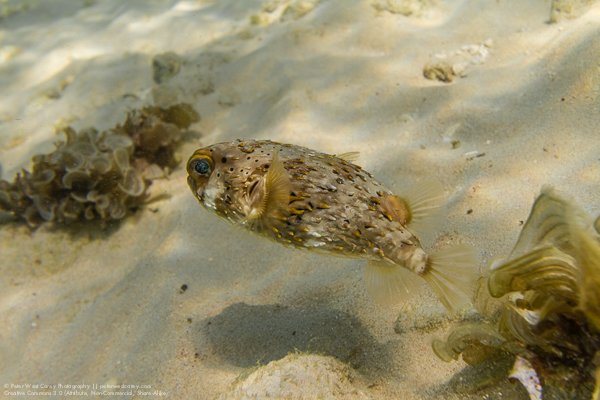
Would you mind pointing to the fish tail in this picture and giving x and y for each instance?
(452, 274)
(390, 284)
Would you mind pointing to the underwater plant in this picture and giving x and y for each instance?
(551, 318)
(98, 175)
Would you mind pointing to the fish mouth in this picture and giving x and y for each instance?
(193, 187)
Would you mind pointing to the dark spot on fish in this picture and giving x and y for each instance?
(520, 223)
(469, 211)
(256, 160)
(189, 320)
(340, 181)
(248, 158)
(231, 169)
(224, 160)
(183, 288)
(218, 174)
(267, 166)
(252, 188)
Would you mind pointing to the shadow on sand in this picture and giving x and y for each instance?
(246, 335)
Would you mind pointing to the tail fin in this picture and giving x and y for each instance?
(390, 284)
(452, 274)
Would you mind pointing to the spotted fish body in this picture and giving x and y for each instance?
(311, 200)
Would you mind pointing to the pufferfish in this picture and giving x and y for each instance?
(306, 199)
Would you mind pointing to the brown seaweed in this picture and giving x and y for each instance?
(475, 343)
(551, 317)
(98, 175)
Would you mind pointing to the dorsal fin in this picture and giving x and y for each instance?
(419, 210)
(269, 197)
(349, 156)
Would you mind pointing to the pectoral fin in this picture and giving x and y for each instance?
(268, 199)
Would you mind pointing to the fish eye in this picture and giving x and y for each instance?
(199, 167)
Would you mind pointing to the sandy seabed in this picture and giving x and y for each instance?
(82, 306)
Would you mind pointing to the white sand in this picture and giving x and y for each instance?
(101, 308)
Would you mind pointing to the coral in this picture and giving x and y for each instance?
(403, 7)
(298, 9)
(560, 9)
(551, 318)
(440, 71)
(297, 376)
(95, 174)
